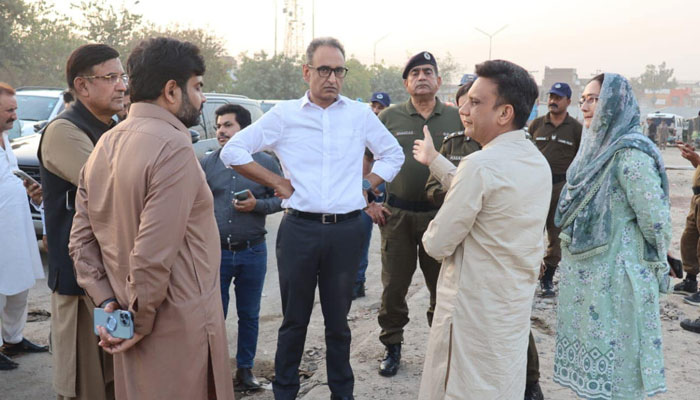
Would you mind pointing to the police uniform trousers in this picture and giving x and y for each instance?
(690, 240)
(402, 246)
(553, 252)
(82, 370)
(311, 253)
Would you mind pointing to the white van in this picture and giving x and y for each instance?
(673, 121)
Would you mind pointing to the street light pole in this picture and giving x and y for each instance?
(491, 35)
(374, 55)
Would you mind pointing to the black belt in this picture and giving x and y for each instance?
(238, 246)
(322, 218)
(558, 178)
(696, 190)
(417, 206)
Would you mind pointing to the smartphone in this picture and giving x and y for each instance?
(24, 176)
(119, 323)
(242, 195)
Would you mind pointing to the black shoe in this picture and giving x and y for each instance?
(533, 391)
(6, 364)
(547, 288)
(686, 287)
(25, 346)
(693, 299)
(693, 326)
(392, 360)
(335, 397)
(245, 380)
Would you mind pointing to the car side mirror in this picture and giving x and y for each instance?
(195, 136)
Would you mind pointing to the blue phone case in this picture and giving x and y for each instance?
(119, 324)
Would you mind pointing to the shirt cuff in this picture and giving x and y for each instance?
(100, 291)
(383, 170)
(235, 156)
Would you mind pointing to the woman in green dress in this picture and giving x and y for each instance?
(615, 217)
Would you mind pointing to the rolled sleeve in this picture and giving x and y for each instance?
(262, 135)
(388, 155)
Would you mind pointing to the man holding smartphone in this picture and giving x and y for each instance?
(240, 207)
(20, 264)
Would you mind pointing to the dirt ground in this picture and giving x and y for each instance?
(32, 380)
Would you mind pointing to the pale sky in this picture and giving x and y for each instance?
(607, 35)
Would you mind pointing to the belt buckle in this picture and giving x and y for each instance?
(323, 219)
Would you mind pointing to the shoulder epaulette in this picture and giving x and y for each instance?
(453, 135)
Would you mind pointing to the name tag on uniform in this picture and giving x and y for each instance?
(565, 142)
(456, 158)
(404, 133)
(541, 139)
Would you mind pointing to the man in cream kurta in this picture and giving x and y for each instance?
(489, 235)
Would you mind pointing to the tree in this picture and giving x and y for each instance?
(389, 80)
(264, 77)
(45, 39)
(655, 78)
(357, 82)
(105, 24)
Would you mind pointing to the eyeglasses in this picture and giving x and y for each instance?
(110, 78)
(324, 71)
(590, 100)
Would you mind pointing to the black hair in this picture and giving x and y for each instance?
(68, 96)
(463, 90)
(515, 86)
(323, 41)
(599, 78)
(242, 115)
(82, 59)
(156, 61)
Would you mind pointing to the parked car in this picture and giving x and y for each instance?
(35, 107)
(266, 105)
(26, 146)
(207, 143)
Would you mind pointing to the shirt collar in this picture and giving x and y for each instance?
(150, 110)
(548, 120)
(340, 101)
(437, 110)
(506, 137)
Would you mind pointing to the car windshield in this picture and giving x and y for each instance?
(34, 108)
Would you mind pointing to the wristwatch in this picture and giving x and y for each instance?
(366, 185)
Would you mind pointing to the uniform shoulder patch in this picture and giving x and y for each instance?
(453, 135)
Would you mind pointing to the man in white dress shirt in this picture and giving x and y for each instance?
(320, 140)
(20, 264)
(489, 235)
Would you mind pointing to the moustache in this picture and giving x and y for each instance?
(553, 105)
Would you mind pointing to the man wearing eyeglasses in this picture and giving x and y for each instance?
(320, 140)
(557, 135)
(97, 79)
(410, 209)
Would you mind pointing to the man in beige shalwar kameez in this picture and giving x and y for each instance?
(144, 236)
(489, 235)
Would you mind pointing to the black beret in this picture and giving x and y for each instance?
(422, 58)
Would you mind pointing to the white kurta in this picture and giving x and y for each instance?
(20, 264)
(489, 234)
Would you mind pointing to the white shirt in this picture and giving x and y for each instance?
(20, 263)
(320, 151)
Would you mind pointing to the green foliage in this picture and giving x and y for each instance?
(263, 77)
(102, 23)
(655, 78)
(389, 80)
(356, 84)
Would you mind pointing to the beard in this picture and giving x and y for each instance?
(187, 113)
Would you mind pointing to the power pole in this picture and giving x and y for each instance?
(294, 38)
